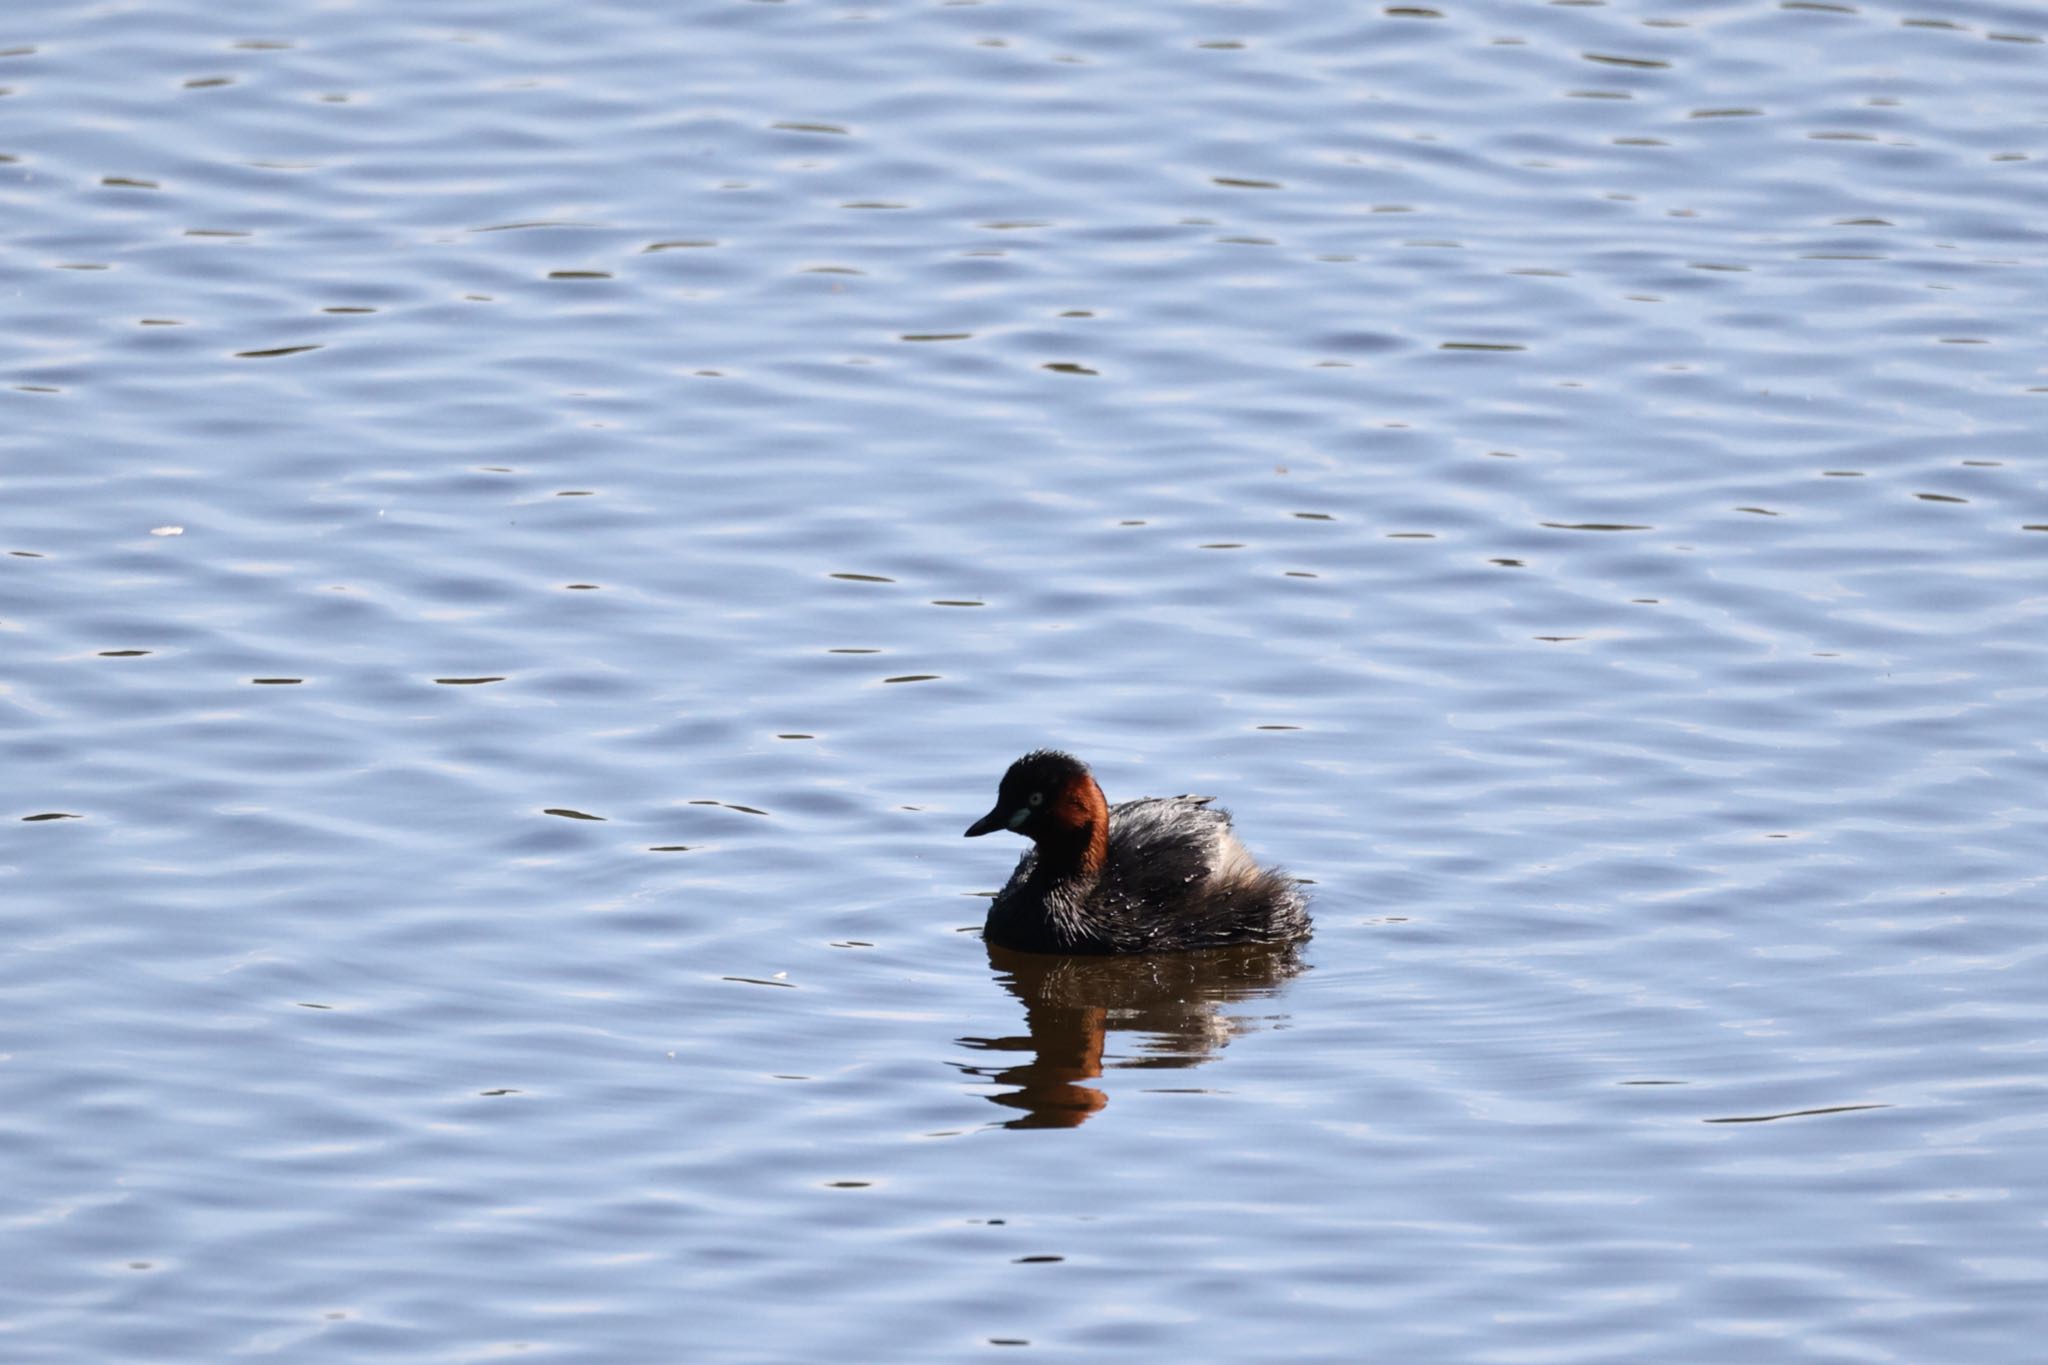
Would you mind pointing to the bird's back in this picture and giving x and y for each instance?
(1177, 877)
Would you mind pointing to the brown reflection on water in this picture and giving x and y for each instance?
(1174, 1004)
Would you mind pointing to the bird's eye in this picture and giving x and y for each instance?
(1038, 798)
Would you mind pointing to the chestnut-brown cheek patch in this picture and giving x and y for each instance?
(1076, 804)
(1079, 807)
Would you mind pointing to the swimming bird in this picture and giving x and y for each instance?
(1161, 873)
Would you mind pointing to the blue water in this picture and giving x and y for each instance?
(527, 531)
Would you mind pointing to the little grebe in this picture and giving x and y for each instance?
(1152, 875)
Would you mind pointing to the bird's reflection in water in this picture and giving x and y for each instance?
(1172, 1002)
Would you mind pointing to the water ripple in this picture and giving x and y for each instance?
(1566, 476)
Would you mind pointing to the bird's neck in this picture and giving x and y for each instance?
(1077, 852)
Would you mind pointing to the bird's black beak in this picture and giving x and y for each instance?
(986, 824)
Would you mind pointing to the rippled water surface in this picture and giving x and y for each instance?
(527, 530)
